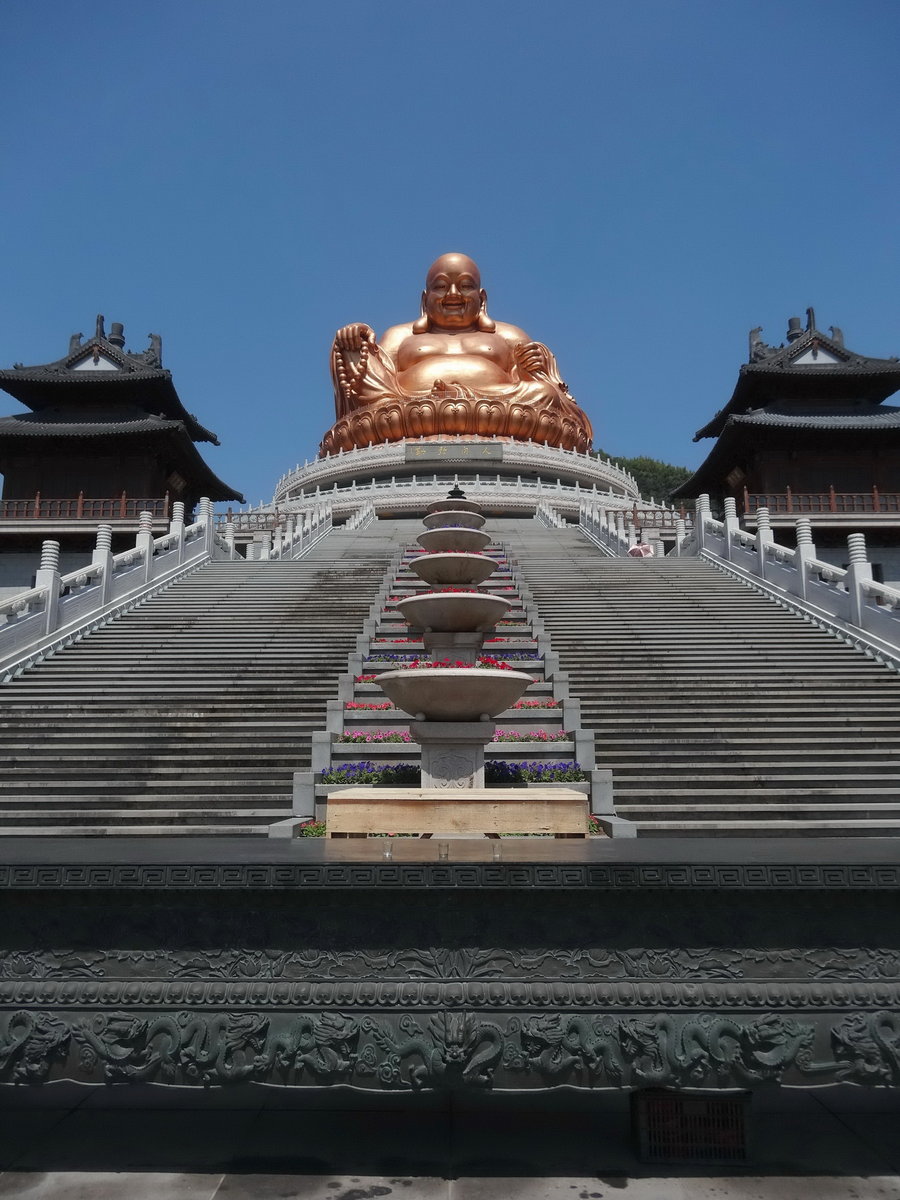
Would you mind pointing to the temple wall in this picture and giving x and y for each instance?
(407, 976)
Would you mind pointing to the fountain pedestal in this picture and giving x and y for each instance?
(452, 752)
(458, 647)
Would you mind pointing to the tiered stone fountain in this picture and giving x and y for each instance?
(453, 706)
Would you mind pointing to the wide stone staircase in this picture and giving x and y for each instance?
(190, 714)
(719, 712)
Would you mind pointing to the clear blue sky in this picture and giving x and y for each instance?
(641, 182)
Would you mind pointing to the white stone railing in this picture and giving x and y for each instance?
(847, 602)
(616, 530)
(547, 515)
(531, 456)
(412, 492)
(363, 517)
(61, 609)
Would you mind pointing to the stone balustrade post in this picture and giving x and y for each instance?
(806, 552)
(206, 519)
(47, 576)
(764, 537)
(859, 572)
(631, 534)
(229, 538)
(703, 512)
(680, 534)
(176, 527)
(265, 546)
(620, 530)
(144, 542)
(732, 526)
(102, 557)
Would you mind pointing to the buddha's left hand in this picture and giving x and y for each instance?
(531, 358)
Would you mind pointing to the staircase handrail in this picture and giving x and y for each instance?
(62, 609)
(297, 537)
(605, 529)
(846, 602)
(547, 515)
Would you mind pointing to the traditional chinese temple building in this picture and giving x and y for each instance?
(107, 437)
(806, 432)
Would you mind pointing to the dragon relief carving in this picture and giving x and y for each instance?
(867, 1048)
(556, 1047)
(453, 1049)
(663, 1052)
(459, 1048)
(32, 1043)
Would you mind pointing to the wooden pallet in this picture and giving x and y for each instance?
(358, 811)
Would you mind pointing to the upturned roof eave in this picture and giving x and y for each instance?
(29, 385)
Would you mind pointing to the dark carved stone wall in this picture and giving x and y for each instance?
(491, 983)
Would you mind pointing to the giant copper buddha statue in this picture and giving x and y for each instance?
(454, 370)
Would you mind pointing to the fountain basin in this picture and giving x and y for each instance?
(436, 540)
(454, 516)
(453, 693)
(452, 568)
(457, 503)
(454, 612)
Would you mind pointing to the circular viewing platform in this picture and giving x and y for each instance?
(504, 476)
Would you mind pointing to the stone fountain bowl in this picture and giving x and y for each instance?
(453, 503)
(454, 693)
(453, 539)
(452, 568)
(454, 516)
(454, 612)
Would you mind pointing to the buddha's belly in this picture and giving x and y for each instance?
(472, 370)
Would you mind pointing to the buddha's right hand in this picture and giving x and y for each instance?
(351, 337)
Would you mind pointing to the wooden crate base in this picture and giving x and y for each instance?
(474, 811)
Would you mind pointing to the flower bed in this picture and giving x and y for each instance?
(500, 771)
(376, 774)
(537, 704)
(384, 735)
(360, 704)
(537, 735)
(484, 663)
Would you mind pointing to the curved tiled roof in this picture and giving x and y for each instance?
(138, 379)
(873, 419)
(38, 425)
(778, 379)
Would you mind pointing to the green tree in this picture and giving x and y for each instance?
(654, 478)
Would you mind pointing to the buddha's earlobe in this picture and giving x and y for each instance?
(485, 324)
(422, 324)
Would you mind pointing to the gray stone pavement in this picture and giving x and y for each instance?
(60, 1142)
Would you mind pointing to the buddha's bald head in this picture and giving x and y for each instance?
(453, 264)
(453, 298)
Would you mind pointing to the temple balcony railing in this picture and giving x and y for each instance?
(462, 453)
(860, 509)
(47, 514)
(848, 603)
